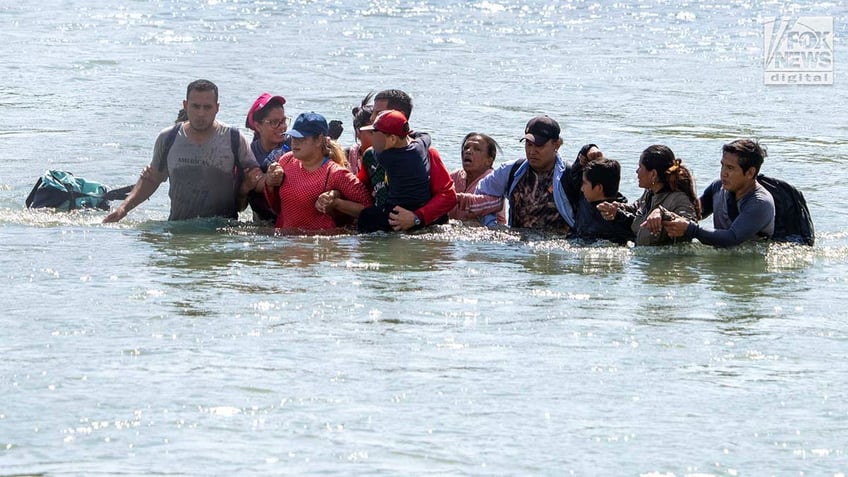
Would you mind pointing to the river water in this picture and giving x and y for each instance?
(217, 348)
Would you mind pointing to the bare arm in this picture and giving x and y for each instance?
(147, 184)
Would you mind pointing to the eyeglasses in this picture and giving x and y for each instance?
(275, 123)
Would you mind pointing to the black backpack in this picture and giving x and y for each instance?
(792, 219)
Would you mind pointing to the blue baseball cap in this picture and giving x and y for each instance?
(308, 125)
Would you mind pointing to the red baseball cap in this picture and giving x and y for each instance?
(390, 122)
(260, 103)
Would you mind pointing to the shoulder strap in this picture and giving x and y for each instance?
(120, 193)
(31, 195)
(169, 141)
(512, 172)
(235, 143)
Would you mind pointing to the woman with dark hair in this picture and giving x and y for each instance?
(478, 155)
(267, 119)
(361, 117)
(669, 187)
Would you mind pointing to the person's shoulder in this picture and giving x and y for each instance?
(761, 193)
(169, 130)
(713, 187)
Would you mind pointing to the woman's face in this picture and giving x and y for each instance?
(647, 178)
(273, 127)
(364, 137)
(475, 156)
(307, 148)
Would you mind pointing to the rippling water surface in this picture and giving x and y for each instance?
(217, 348)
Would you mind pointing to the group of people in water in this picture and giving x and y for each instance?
(298, 178)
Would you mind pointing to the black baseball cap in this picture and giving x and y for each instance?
(540, 130)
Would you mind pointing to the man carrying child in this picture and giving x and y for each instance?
(407, 165)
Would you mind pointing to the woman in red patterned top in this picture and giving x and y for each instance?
(311, 168)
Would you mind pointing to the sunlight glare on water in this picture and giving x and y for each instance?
(216, 347)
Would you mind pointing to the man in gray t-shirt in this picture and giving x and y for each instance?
(200, 164)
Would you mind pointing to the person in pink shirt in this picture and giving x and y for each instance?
(312, 167)
(478, 155)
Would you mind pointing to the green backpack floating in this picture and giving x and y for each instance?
(60, 190)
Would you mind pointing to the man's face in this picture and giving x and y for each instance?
(732, 177)
(592, 193)
(201, 108)
(380, 105)
(541, 158)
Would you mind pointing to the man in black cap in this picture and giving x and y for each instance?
(533, 186)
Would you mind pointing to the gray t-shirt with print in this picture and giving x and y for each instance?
(203, 176)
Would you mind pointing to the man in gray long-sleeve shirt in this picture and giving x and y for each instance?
(742, 209)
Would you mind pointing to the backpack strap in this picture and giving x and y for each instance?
(512, 172)
(31, 195)
(120, 193)
(235, 143)
(169, 141)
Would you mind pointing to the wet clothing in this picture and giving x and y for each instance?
(204, 177)
(591, 225)
(528, 195)
(486, 209)
(407, 171)
(371, 174)
(294, 201)
(354, 159)
(751, 218)
(573, 178)
(532, 202)
(443, 194)
(636, 213)
(262, 210)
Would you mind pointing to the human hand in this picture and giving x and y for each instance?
(608, 210)
(336, 129)
(676, 226)
(116, 215)
(589, 155)
(275, 175)
(401, 219)
(654, 222)
(251, 178)
(326, 201)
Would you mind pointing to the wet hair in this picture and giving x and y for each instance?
(492, 146)
(362, 113)
(749, 151)
(202, 85)
(606, 172)
(182, 116)
(671, 172)
(397, 99)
